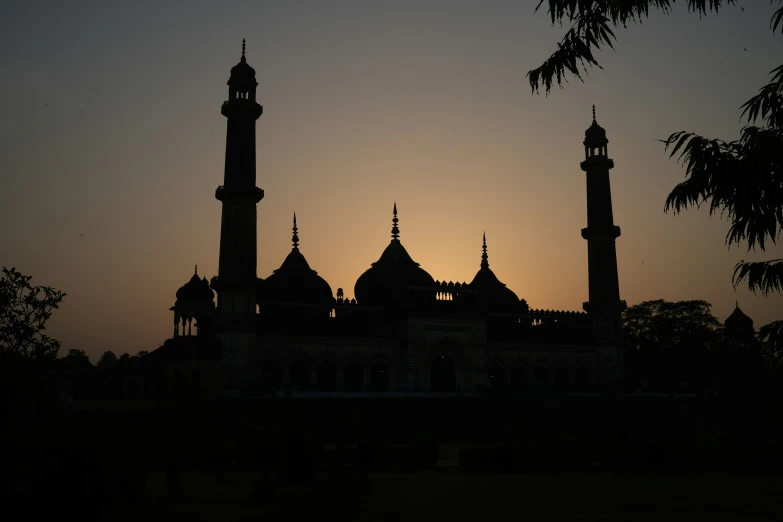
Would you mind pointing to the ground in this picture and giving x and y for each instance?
(451, 495)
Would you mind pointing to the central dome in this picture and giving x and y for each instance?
(295, 281)
(388, 278)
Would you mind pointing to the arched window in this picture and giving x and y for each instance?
(379, 377)
(196, 382)
(541, 378)
(300, 375)
(519, 378)
(354, 377)
(560, 381)
(443, 376)
(497, 376)
(327, 376)
(581, 379)
(271, 375)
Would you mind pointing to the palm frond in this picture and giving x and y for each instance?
(761, 276)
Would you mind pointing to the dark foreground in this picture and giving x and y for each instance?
(452, 495)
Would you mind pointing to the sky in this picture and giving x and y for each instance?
(112, 145)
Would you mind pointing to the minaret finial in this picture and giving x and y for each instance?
(295, 237)
(195, 270)
(395, 229)
(484, 257)
(736, 303)
(594, 113)
(243, 51)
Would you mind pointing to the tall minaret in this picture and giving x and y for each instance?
(236, 281)
(604, 305)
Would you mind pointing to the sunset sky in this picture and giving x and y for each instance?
(112, 145)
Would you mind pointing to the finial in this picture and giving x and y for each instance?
(484, 257)
(395, 229)
(243, 50)
(295, 237)
(594, 113)
(736, 303)
(195, 271)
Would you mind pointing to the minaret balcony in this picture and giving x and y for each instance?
(612, 232)
(241, 108)
(597, 162)
(254, 194)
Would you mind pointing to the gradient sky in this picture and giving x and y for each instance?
(112, 144)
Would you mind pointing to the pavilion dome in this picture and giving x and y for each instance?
(738, 321)
(196, 289)
(499, 297)
(388, 278)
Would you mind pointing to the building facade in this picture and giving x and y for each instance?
(405, 332)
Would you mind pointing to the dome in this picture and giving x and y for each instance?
(206, 291)
(738, 321)
(388, 277)
(242, 73)
(499, 297)
(595, 135)
(295, 281)
(197, 289)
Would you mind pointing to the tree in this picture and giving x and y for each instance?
(741, 179)
(685, 329)
(24, 311)
(107, 359)
(670, 342)
(77, 359)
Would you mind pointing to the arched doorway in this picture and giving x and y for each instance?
(541, 378)
(379, 377)
(581, 379)
(354, 377)
(327, 376)
(519, 378)
(443, 377)
(300, 375)
(271, 375)
(497, 377)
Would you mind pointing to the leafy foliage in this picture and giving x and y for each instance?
(24, 311)
(590, 29)
(742, 180)
(772, 336)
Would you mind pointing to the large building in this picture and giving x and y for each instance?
(405, 332)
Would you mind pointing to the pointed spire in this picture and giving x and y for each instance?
(484, 257)
(295, 237)
(243, 48)
(594, 113)
(195, 270)
(395, 229)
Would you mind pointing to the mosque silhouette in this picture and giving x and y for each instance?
(405, 333)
